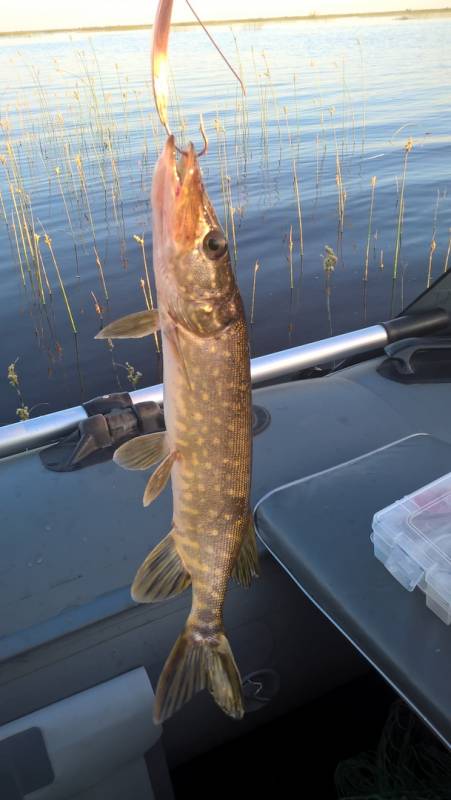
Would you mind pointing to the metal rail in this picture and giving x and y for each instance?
(21, 436)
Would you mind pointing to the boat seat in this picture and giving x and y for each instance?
(318, 528)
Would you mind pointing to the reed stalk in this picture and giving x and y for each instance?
(48, 242)
(83, 186)
(97, 307)
(339, 178)
(101, 273)
(370, 220)
(13, 224)
(407, 148)
(299, 210)
(290, 256)
(448, 251)
(60, 186)
(13, 379)
(38, 264)
(254, 288)
(147, 287)
(433, 244)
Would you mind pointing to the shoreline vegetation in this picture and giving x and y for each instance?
(406, 12)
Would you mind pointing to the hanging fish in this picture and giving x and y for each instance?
(207, 446)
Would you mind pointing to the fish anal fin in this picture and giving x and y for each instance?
(158, 479)
(133, 326)
(198, 661)
(161, 575)
(246, 564)
(143, 451)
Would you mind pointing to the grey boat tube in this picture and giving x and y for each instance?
(32, 433)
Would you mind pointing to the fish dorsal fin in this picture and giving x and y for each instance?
(143, 451)
(133, 326)
(246, 564)
(159, 479)
(162, 574)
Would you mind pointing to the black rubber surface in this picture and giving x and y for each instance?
(296, 755)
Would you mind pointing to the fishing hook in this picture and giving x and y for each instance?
(159, 67)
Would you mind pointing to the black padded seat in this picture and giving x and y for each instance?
(319, 528)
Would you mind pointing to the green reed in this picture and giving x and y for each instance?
(407, 148)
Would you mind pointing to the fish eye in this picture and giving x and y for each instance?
(214, 244)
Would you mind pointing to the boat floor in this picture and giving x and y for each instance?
(71, 543)
(266, 763)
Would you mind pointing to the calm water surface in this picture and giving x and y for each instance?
(333, 103)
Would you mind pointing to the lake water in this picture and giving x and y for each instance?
(330, 105)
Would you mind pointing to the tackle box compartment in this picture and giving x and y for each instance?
(412, 538)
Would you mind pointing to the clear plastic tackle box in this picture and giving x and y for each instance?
(412, 538)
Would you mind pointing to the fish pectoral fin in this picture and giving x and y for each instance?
(159, 479)
(173, 336)
(246, 564)
(199, 662)
(161, 575)
(143, 451)
(133, 326)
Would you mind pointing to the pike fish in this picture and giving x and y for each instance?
(207, 446)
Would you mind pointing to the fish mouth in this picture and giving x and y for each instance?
(184, 203)
(184, 170)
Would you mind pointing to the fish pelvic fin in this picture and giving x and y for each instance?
(246, 564)
(199, 661)
(143, 451)
(133, 326)
(161, 575)
(158, 479)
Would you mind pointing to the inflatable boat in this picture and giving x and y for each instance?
(343, 428)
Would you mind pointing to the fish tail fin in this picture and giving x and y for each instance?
(161, 575)
(199, 661)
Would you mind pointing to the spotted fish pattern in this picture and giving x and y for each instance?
(207, 447)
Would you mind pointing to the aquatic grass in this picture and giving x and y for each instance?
(407, 149)
(299, 210)
(370, 221)
(267, 74)
(48, 242)
(97, 307)
(290, 257)
(22, 411)
(254, 288)
(448, 251)
(21, 229)
(13, 224)
(226, 185)
(433, 243)
(256, 159)
(68, 216)
(329, 263)
(84, 190)
(39, 270)
(101, 273)
(146, 287)
(338, 176)
(133, 375)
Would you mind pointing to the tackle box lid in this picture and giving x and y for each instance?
(412, 538)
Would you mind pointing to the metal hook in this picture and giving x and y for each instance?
(159, 67)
